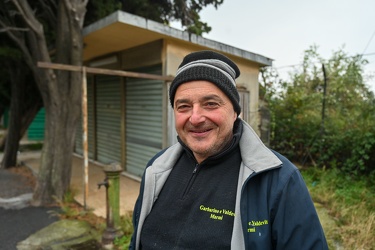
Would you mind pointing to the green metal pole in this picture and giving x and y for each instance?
(112, 181)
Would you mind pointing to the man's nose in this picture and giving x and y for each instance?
(197, 115)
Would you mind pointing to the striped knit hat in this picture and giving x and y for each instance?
(209, 66)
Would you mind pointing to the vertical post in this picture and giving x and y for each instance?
(322, 129)
(112, 183)
(84, 139)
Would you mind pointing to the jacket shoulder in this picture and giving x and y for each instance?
(151, 161)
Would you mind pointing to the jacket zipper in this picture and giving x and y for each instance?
(191, 180)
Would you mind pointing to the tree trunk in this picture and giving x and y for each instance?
(60, 90)
(3, 140)
(25, 104)
(62, 103)
(56, 159)
(2, 111)
(13, 136)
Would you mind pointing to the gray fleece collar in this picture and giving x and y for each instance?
(255, 155)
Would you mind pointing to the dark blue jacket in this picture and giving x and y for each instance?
(273, 210)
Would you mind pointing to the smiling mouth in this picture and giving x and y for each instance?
(200, 132)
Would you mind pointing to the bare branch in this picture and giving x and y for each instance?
(21, 44)
(6, 29)
(28, 16)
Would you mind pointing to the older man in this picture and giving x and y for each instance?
(220, 187)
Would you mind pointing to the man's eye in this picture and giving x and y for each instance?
(182, 107)
(212, 104)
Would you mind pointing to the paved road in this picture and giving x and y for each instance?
(17, 225)
(18, 220)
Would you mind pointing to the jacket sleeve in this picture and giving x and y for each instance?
(295, 223)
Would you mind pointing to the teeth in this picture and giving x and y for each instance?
(202, 131)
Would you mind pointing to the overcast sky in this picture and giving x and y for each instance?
(282, 30)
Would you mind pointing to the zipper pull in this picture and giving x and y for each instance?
(196, 168)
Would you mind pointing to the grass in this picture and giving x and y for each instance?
(350, 202)
(127, 228)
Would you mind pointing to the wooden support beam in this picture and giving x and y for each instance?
(100, 71)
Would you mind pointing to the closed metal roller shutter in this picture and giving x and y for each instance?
(144, 114)
(91, 139)
(108, 122)
(78, 147)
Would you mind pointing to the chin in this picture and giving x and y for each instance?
(200, 150)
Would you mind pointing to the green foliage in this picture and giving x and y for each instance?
(350, 202)
(97, 9)
(126, 225)
(69, 196)
(165, 11)
(198, 27)
(122, 243)
(342, 136)
(352, 151)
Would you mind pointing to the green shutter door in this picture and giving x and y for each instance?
(144, 133)
(35, 132)
(108, 119)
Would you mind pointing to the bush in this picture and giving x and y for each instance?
(332, 128)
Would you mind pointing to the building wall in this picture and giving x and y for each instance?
(249, 80)
(142, 56)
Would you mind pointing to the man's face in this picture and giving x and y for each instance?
(204, 118)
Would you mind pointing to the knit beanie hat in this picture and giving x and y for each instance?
(209, 66)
